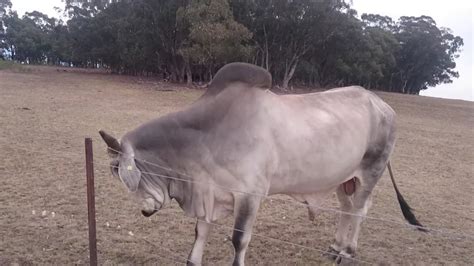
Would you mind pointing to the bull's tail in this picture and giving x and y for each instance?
(406, 210)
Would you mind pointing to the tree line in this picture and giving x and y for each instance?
(316, 43)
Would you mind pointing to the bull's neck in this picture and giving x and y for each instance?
(170, 145)
(165, 166)
(180, 191)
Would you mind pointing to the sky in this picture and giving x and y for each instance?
(454, 14)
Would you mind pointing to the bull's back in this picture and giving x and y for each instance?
(321, 138)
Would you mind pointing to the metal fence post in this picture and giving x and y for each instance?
(91, 202)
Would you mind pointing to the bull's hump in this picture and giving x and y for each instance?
(251, 75)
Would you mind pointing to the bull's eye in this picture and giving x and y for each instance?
(114, 167)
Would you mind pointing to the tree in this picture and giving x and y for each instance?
(427, 53)
(5, 6)
(215, 38)
(286, 30)
(377, 21)
(25, 40)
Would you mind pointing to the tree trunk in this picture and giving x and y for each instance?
(289, 74)
(404, 86)
(209, 69)
(182, 72)
(390, 83)
(265, 56)
(189, 75)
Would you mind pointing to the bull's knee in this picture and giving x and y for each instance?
(362, 202)
(240, 240)
(344, 199)
(245, 214)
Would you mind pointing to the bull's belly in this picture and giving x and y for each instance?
(314, 176)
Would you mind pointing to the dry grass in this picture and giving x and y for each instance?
(45, 115)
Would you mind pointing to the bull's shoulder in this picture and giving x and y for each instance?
(249, 75)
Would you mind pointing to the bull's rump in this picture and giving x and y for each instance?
(320, 139)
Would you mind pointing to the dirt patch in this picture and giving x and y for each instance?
(45, 115)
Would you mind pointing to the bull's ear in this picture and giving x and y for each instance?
(112, 143)
(129, 173)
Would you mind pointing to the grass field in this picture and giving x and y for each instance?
(46, 113)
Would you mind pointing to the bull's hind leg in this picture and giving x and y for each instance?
(361, 202)
(344, 220)
(357, 207)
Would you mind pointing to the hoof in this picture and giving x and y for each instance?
(190, 263)
(331, 253)
(345, 258)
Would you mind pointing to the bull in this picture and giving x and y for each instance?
(239, 142)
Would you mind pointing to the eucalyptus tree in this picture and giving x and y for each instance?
(214, 39)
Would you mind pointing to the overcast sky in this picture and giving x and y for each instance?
(454, 14)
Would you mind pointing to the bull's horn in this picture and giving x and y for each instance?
(111, 142)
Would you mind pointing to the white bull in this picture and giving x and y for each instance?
(241, 137)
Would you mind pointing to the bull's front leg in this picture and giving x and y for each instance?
(245, 213)
(202, 232)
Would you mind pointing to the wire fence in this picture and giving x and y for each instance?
(446, 232)
(179, 260)
(190, 179)
(442, 231)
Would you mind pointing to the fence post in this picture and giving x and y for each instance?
(91, 202)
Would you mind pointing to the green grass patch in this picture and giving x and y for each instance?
(10, 65)
(6, 64)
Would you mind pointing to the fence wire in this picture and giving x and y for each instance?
(442, 231)
(179, 260)
(263, 196)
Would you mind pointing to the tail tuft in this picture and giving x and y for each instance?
(406, 209)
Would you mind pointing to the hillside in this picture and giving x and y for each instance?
(45, 115)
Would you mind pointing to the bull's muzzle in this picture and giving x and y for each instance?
(147, 213)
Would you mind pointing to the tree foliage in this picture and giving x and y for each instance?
(320, 43)
(215, 38)
(426, 54)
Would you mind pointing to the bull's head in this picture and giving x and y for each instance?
(124, 167)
